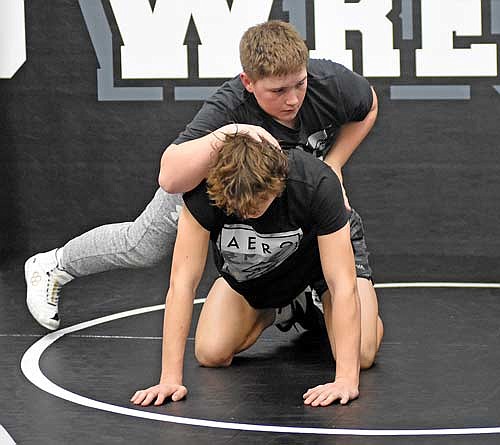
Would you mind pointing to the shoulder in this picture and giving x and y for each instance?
(324, 68)
(224, 106)
(328, 74)
(198, 204)
(229, 95)
(333, 87)
(313, 187)
(300, 160)
(306, 170)
(197, 195)
(233, 101)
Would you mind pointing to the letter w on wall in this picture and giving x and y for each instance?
(153, 39)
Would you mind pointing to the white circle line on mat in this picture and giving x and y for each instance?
(30, 365)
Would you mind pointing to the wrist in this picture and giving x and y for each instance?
(171, 379)
(230, 129)
(348, 370)
(350, 380)
(219, 136)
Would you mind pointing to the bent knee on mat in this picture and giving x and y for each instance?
(369, 349)
(213, 357)
(367, 357)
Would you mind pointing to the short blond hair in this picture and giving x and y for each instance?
(245, 171)
(273, 48)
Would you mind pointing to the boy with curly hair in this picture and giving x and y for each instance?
(318, 105)
(278, 224)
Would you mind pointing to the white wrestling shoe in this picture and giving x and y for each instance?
(43, 282)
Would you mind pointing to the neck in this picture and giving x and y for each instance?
(290, 124)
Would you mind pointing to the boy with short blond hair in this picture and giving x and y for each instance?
(316, 105)
(272, 49)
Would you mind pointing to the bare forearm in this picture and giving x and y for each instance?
(350, 137)
(346, 325)
(176, 323)
(185, 165)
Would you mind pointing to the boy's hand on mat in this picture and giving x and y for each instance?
(324, 395)
(159, 393)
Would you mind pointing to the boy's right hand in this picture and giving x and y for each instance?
(160, 392)
(254, 131)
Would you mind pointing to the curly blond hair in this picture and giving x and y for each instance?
(272, 48)
(245, 172)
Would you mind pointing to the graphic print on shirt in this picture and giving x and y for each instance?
(248, 254)
(318, 143)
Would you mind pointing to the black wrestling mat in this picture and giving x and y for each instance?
(435, 381)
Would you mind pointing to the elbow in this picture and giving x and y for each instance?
(167, 182)
(167, 179)
(346, 292)
(374, 109)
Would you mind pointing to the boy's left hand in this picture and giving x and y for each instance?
(324, 395)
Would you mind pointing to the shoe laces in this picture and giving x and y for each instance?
(53, 288)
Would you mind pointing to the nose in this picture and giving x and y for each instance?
(292, 99)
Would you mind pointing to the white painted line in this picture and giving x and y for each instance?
(21, 335)
(120, 337)
(5, 438)
(30, 365)
(117, 337)
(437, 284)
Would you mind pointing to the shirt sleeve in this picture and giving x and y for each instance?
(198, 204)
(355, 94)
(214, 114)
(328, 208)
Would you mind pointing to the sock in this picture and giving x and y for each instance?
(59, 255)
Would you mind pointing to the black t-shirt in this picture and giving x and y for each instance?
(334, 96)
(270, 259)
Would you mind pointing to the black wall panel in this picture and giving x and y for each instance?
(426, 180)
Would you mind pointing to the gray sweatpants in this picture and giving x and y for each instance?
(151, 237)
(141, 243)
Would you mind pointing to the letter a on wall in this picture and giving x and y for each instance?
(12, 37)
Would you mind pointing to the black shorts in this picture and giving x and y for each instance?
(363, 269)
(264, 296)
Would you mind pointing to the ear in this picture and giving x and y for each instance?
(247, 82)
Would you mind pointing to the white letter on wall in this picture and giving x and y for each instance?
(334, 17)
(220, 31)
(437, 56)
(12, 37)
(153, 40)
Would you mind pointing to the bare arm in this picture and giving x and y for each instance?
(188, 263)
(337, 261)
(185, 165)
(343, 319)
(349, 138)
